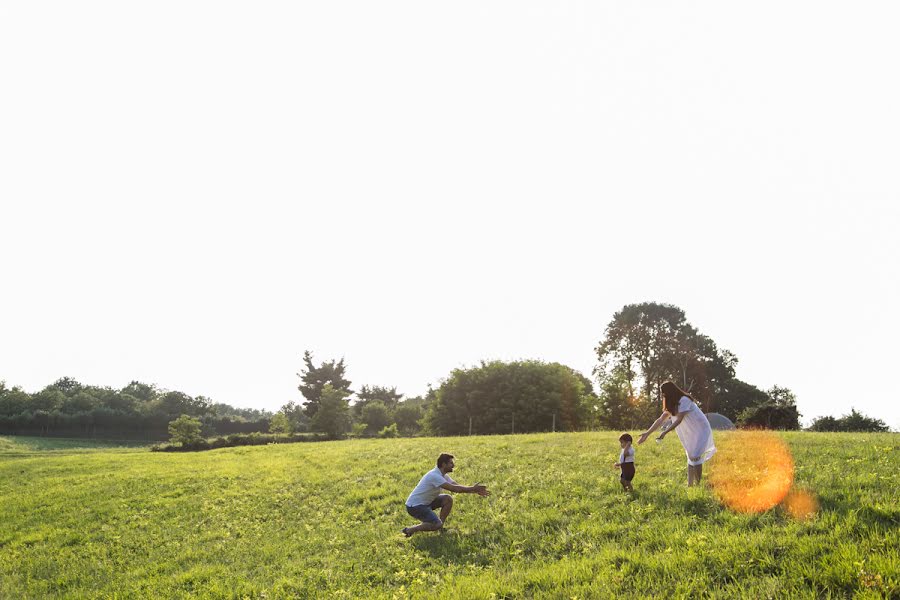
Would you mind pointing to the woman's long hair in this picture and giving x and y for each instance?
(671, 395)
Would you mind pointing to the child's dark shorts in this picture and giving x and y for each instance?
(627, 471)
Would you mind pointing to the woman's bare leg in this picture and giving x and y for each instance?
(695, 473)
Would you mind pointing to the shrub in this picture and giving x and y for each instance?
(855, 421)
(185, 430)
(389, 432)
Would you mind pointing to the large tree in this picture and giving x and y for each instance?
(778, 411)
(515, 397)
(333, 414)
(408, 416)
(313, 380)
(650, 343)
(618, 408)
(376, 393)
(736, 396)
(376, 416)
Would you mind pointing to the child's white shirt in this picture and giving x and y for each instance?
(626, 455)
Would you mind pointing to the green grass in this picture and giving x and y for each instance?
(323, 520)
(22, 445)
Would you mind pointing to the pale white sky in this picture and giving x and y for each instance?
(193, 193)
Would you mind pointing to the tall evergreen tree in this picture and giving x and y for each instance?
(333, 414)
(313, 380)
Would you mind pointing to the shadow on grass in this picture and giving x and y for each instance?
(453, 546)
(888, 517)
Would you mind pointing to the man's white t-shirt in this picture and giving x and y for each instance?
(429, 488)
(626, 455)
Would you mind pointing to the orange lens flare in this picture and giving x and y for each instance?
(752, 472)
(801, 504)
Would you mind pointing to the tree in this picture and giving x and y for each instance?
(376, 393)
(185, 430)
(499, 397)
(735, 397)
(376, 416)
(389, 397)
(48, 399)
(650, 343)
(296, 416)
(142, 391)
(618, 409)
(407, 416)
(333, 414)
(827, 423)
(313, 380)
(779, 411)
(174, 403)
(79, 402)
(66, 385)
(14, 401)
(279, 423)
(855, 421)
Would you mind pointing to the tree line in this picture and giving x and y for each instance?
(642, 346)
(136, 411)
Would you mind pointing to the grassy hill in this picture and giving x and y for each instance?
(323, 520)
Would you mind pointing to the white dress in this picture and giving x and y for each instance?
(695, 433)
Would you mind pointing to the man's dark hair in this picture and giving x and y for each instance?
(625, 437)
(443, 458)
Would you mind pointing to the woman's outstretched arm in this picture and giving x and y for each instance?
(654, 427)
(675, 423)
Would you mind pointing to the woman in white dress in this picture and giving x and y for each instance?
(690, 424)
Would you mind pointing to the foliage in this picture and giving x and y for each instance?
(137, 411)
(855, 421)
(323, 521)
(779, 411)
(222, 410)
(618, 409)
(499, 397)
(387, 396)
(408, 417)
(651, 343)
(389, 431)
(333, 414)
(239, 439)
(280, 424)
(376, 416)
(313, 380)
(735, 397)
(296, 416)
(185, 430)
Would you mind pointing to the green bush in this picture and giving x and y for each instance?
(389, 432)
(185, 430)
(238, 439)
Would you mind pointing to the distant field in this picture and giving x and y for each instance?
(16, 445)
(323, 520)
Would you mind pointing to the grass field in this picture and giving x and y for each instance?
(323, 520)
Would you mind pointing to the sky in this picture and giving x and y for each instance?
(194, 193)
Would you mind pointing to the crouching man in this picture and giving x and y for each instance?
(427, 496)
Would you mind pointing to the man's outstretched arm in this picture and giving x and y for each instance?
(467, 489)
